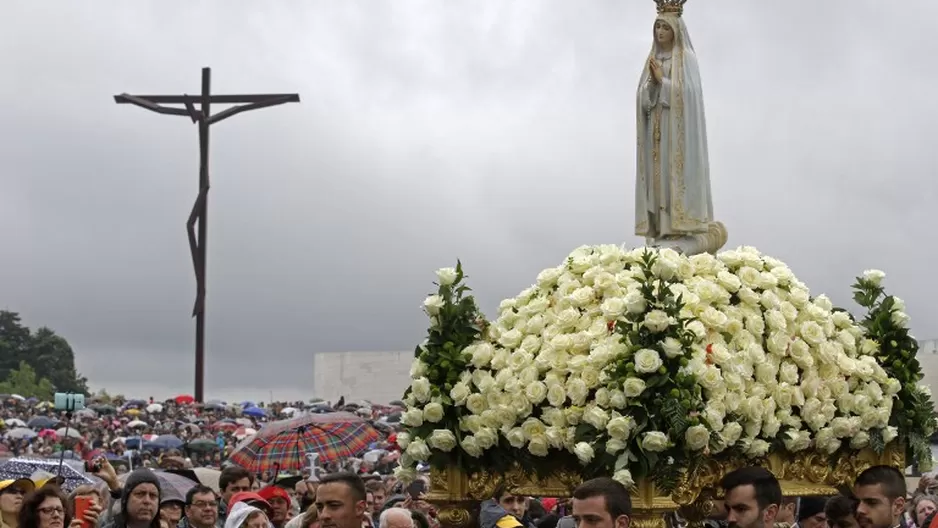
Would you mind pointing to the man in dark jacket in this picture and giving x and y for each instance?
(140, 501)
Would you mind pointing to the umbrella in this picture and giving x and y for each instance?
(215, 406)
(333, 436)
(247, 422)
(154, 408)
(244, 432)
(86, 414)
(172, 485)
(202, 445)
(18, 468)
(67, 432)
(15, 422)
(254, 411)
(42, 422)
(184, 399)
(289, 410)
(166, 442)
(192, 428)
(136, 423)
(224, 425)
(103, 408)
(21, 432)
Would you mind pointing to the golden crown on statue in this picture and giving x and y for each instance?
(671, 6)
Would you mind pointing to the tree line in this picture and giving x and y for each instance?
(36, 363)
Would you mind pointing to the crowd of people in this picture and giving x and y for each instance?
(125, 462)
(177, 431)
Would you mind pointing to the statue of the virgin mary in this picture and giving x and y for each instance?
(673, 204)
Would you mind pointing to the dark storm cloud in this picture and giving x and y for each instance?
(501, 133)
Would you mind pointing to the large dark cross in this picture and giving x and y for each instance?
(204, 118)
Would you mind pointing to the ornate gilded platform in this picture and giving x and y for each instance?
(457, 495)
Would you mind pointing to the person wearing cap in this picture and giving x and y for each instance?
(11, 500)
(252, 499)
(279, 501)
(140, 501)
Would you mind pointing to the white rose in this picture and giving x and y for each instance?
(596, 417)
(412, 417)
(812, 332)
(728, 281)
(418, 369)
(405, 475)
(460, 392)
(584, 452)
(874, 276)
(433, 304)
(633, 387)
(420, 389)
(418, 450)
(470, 445)
(624, 477)
(515, 437)
(731, 433)
(657, 321)
(476, 403)
(433, 412)
(548, 277)
(442, 439)
(576, 390)
(758, 448)
(536, 392)
(613, 308)
(900, 319)
(890, 434)
(539, 446)
(446, 276)
(403, 440)
(481, 354)
(672, 347)
(697, 437)
(713, 318)
(647, 361)
(655, 441)
(583, 296)
(487, 437)
(635, 302)
(619, 427)
(617, 398)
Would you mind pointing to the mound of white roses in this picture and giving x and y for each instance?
(772, 363)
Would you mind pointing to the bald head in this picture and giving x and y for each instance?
(396, 518)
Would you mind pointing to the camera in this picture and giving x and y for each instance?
(93, 466)
(66, 401)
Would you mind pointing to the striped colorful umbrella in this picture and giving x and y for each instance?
(334, 436)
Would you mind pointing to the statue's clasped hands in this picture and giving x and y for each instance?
(657, 74)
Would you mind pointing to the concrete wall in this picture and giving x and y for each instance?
(376, 376)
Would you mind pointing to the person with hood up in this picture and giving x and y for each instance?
(243, 515)
(140, 502)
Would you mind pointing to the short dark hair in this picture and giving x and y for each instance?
(353, 481)
(768, 490)
(618, 500)
(840, 507)
(29, 512)
(198, 489)
(890, 478)
(233, 474)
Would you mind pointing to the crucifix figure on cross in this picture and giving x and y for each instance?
(204, 118)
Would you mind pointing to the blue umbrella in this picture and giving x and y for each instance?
(42, 422)
(20, 468)
(246, 404)
(133, 442)
(256, 412)
(165, 442)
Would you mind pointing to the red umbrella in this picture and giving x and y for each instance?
(184, 399)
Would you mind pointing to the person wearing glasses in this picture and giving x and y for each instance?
(45, 508)
(201, 509)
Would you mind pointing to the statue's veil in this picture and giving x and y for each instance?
(689, 165)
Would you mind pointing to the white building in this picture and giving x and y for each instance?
(928, 358)
(376, 376)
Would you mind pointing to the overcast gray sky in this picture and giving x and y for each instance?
(501, 133)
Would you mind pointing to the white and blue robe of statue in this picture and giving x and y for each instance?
(672, 189)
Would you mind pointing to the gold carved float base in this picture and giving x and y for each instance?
(457, 495)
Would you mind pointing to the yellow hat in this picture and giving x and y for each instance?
(26, 484)
(509, 521)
